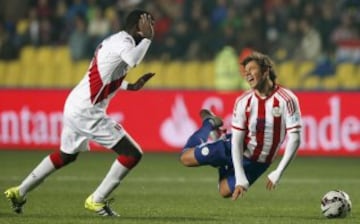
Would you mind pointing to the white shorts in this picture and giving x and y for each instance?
(78, 129)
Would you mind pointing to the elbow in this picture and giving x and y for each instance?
(129, 60)
(131, 64)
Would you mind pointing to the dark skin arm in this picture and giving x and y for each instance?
(146, 30)
(140, 82)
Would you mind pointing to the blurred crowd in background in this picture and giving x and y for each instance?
(186, 30)
(189, 29)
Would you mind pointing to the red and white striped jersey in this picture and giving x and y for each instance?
(112, 59)
(266, 122)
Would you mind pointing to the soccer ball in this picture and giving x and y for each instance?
(336, 204)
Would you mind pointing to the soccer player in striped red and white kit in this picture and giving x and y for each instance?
(85, 115)
(262, 117)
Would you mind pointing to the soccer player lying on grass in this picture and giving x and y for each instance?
(85, 115)
(261, 119)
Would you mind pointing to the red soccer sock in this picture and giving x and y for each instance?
(56, 159)
(128, 161)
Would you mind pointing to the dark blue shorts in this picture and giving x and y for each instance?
(218, 154)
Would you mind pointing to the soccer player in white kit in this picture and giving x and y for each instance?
(85, 115)
(262, 117)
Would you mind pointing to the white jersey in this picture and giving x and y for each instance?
(108, 68)
(266, 122)
(84, 111)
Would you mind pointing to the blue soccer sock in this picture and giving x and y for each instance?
(199, 136)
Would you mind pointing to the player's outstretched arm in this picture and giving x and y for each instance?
(140, 82)
(241, 181)
(291, 148)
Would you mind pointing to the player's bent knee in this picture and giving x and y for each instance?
(128, 161)
(224, 189)
(184, 159)
(134, 152)
(126, 146)
(68, 158)
(187, 158)
(129, 153)
(60, 159)
(225, 193)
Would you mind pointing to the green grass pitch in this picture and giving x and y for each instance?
(160, 190)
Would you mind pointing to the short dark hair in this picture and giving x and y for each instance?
(263, 61)
(133, 17)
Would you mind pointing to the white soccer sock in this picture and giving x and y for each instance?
(112, 179)
(36, 176)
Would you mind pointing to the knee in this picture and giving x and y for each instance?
(139, 156)
(224, 193)
(224, 189)
(128, 147)
(68, 158)
(184, 160)
(136, 153)
(130, 158)
(60, 159)
(187, 158)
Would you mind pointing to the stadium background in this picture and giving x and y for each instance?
(46, 46)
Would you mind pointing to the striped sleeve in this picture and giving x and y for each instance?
(239, 118)
(293, 113)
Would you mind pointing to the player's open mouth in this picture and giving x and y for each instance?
(250, 79)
